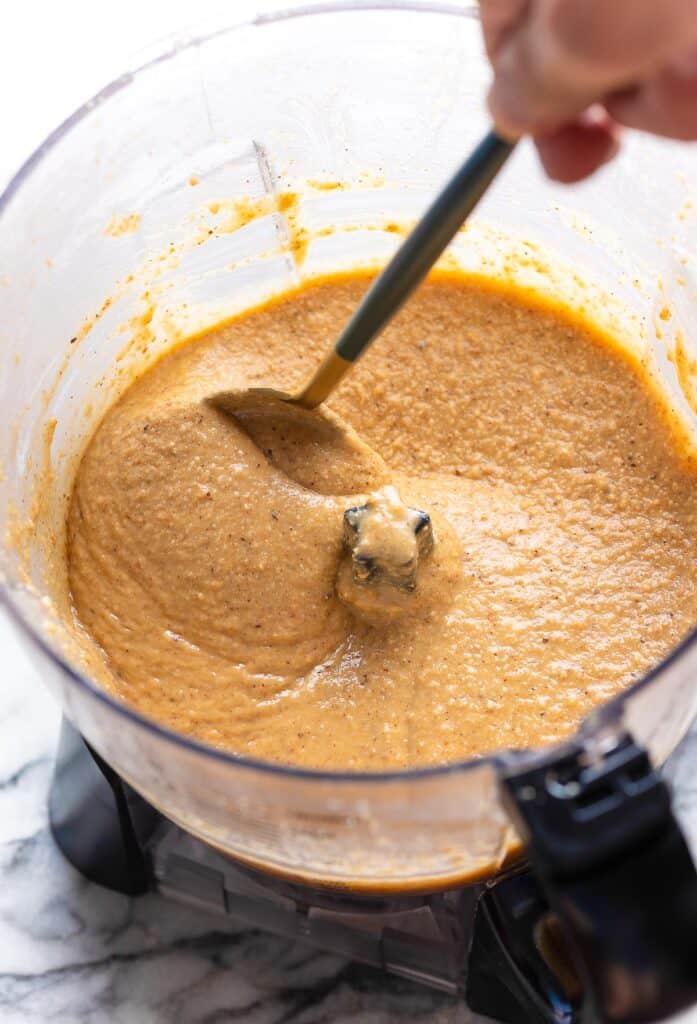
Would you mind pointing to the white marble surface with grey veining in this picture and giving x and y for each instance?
(73, 953)
(70, 952)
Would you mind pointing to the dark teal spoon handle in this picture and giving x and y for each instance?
(424, 245)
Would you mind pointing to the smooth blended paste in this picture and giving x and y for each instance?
(206, 557)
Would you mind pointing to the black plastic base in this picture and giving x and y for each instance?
(106, 830)
(100, 823)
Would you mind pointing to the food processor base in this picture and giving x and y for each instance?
(481, 941)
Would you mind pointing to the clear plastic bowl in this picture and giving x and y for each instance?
(387, 99)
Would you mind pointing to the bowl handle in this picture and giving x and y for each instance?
(604, 844)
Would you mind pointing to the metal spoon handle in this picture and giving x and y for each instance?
(411, 263)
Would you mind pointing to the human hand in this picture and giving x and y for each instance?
(571, 72)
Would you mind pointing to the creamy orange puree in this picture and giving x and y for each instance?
(207, 565)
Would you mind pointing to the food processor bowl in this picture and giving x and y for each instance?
(131, 225)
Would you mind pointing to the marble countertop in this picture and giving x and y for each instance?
(72, 952)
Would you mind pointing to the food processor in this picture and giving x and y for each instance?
(545, 886)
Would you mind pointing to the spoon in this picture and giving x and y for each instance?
(400, 277)
(257, 409)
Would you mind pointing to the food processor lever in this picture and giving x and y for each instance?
(603, 842)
